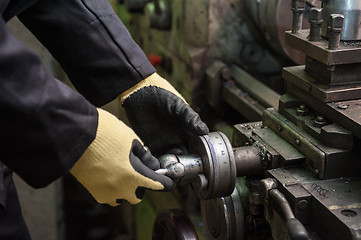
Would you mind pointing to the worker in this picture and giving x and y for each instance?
(48, 129)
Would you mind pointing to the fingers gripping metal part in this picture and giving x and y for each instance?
(213, 165)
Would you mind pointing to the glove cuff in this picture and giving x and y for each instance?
(152, 80)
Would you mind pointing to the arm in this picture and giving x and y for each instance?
(39, 116)
(91, 44)
(48, 129)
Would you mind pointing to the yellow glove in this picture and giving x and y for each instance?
(116, 165)
(160, 116)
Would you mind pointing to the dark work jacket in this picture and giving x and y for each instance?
(45, 126)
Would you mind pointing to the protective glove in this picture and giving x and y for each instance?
(160, 116)
(117, 166)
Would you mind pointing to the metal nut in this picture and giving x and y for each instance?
(298, 4)
(316, 15)
(336, 22)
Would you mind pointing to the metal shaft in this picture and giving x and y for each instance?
(298, 7)
(248, 161)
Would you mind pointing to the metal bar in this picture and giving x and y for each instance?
(255, 88)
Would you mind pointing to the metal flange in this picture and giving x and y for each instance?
(223, 217)
(219, 167)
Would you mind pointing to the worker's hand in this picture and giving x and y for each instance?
(160, 116)
(117, 166)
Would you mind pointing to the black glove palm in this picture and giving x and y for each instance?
(162, 119)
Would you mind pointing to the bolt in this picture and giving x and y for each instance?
(297, 7)
(315, 23)
(298, 142)
(335, 26)
(302, 110)
(279, 128)
(320, 121)
(308, 87)
(342, 106)
(303, 205)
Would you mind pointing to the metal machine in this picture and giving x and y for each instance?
(296, 174)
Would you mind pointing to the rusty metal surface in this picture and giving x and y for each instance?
(331, 207)
(173, 225)
(348, 118)
(242, 102)
(327, 132)
(323, 161)
(340, 205)
(348, 52)
(334, 75)
(321, 91)
(259, 91)
(289, 155)
(224, 217)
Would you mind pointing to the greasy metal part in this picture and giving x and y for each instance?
(242, 92)
(348, 75)
(319, 90)
(219, 166)
(348, 118)
(242, 102)
(224, 217)
(254, 198)
(265, 95)
(335, 26)
(351, 9)
(347, 53)
(315, 20)
(248, 161)
(288, 155)
(296, 230)
(173, 225)
(266, 185)
(299, 199)
(332, 208)
(192, 166)
(270, 193)
(185, 167)
(321, 160)
(329, 133)
(298, 7)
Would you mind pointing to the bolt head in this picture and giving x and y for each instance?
(298, 4)
(336, 22)
(316, 15)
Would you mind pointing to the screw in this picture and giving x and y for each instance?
(335, 26)
(342, 106)
(315, 23)
(298, 142)
(320, 121)
(303, 205)
(297, 7)
(302, 110)
(308, 87)
(279, 128)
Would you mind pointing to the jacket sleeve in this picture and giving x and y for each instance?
(45, 126)
(92, 45)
